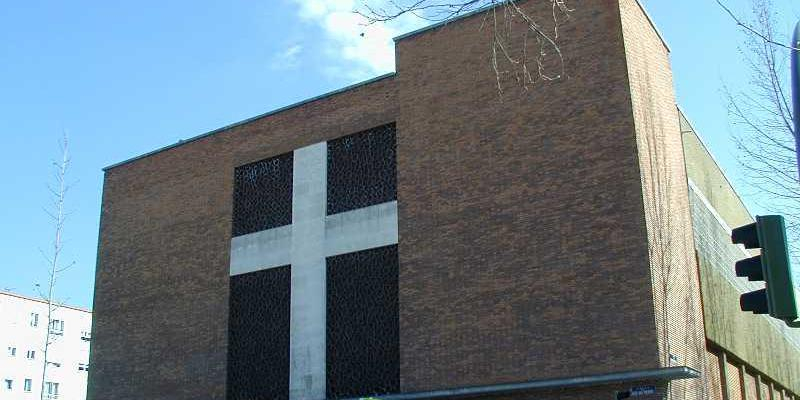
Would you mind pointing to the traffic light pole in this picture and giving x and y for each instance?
(796, 90)
(796, 102)
(768, 233)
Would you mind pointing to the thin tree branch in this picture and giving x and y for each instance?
(752, 30)
(506, 56)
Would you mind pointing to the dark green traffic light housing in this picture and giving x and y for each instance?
(772, 267)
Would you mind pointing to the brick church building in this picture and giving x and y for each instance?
(414, 237)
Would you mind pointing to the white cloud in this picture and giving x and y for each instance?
(287, 58)
(368, 50)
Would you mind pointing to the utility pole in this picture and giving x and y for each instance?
(796, 90)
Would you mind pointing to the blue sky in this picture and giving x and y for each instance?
(124, 78)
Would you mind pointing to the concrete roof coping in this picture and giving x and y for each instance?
(714, 160)
(447, 21)
(251, 119)
(653, 24)
(492, 5)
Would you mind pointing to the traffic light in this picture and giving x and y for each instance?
(772, 266)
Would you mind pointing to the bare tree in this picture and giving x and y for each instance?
(762, 116)
(58, 215)
(538, 58)
(755, 29)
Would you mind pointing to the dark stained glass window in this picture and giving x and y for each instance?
(362, 169)
(258, 335)
(262, 195)
(363, 356)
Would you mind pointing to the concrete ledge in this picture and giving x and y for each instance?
(659, 374)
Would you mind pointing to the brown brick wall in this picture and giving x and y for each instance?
(523, 236)
(676, 287)
(161, 298)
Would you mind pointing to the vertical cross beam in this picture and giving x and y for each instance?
(305, 244)
(308, 311)
(745, 390)
(723, 370)
(759, 384)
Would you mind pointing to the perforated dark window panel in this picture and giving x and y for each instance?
(363, 356)
(262, 195)
(362, 169)
(258, 335)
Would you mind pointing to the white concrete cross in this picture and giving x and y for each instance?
(304, 245)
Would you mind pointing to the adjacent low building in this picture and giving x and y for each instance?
(752, 357)
(23, 332)
(417, 237)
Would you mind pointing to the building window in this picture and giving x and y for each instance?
(363, 332)
(57, 326)
(51, 390)
(262, 195)
(362, 169)
(83, 367)
(34, 319)
(258, 342)
(30, 355)
(12, 351)
(27, 385)
(9, 384)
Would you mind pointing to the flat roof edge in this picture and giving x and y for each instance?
(29, 298)
(251, 119)
(714, 160)
(447, 21)
(653, 24)
(490, 6)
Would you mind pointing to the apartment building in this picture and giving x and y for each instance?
(23, 331)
